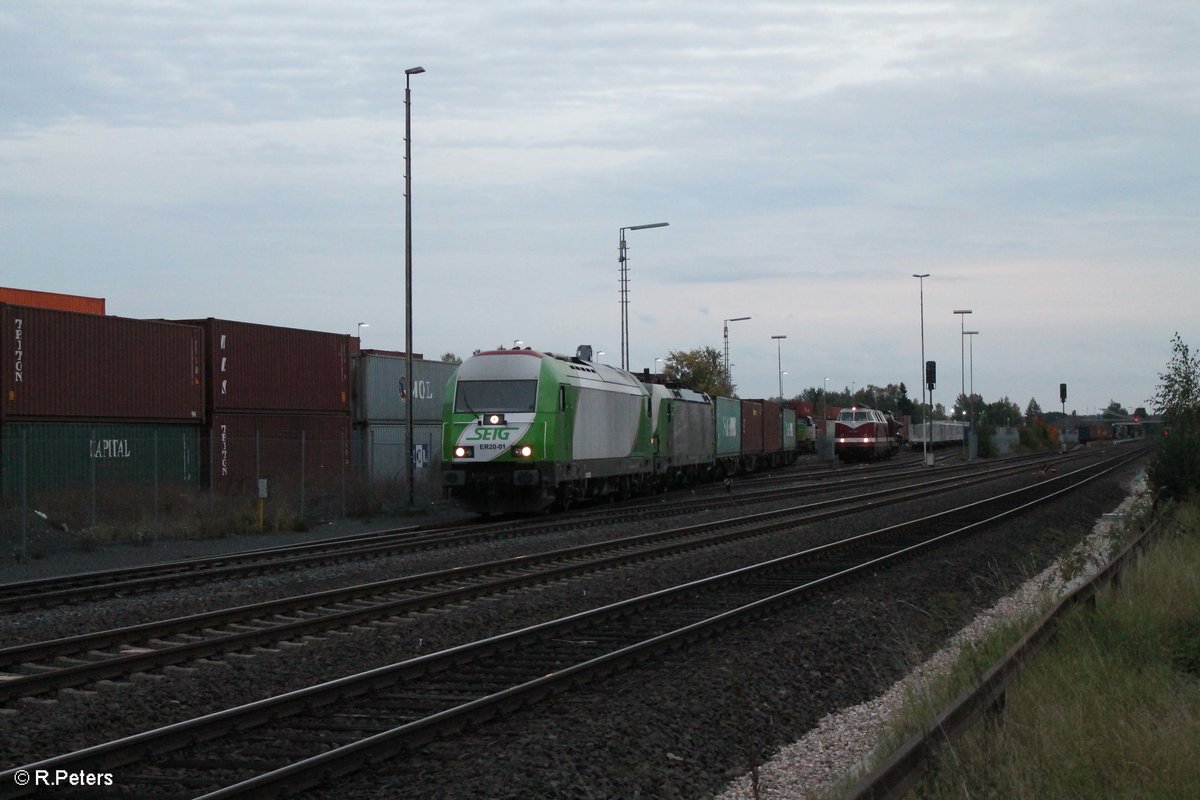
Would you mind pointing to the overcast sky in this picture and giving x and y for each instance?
(245, 160)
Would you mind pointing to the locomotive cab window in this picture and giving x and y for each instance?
(477, 397)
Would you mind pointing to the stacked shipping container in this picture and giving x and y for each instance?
(381, 399)
(278, 406)
(61, 302)
(87, 399)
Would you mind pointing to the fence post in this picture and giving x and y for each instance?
(302, 442)
(157, 522)
(92, 471)
(25, 494)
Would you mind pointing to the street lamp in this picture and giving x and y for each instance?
(925, 415)
(408, 369)
(962, 349)
(971, 397)
(824, 406)
(779, 361)
(971, 354)
(962, 363)
(362, 325)
(728, 375)
(623, 262)
(658, 361)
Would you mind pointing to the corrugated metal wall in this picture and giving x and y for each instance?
(61, 302)
(61, 364)
(41, 457)
(252, 367)
(290, 451)
(381, 382)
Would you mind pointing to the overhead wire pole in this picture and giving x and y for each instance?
(728, 374)
(779, 361)
(962, 362)
(623, 264)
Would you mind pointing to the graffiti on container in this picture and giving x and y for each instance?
(110, 448)
(224, 451)
(731, 428)
(421, 456)
(19, 351)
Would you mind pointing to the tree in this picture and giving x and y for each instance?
(904, 403)
(1003, 413)
(702, 369)
(1175, 470)
(1116, 409)
(1032, 411)
(1179, 393)
(450, 358)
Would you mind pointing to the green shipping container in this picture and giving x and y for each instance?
(41, 458)
(729, 426)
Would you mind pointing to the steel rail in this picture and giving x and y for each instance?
(43, 592)
(892, 778)
(574, 649)
(141, 647)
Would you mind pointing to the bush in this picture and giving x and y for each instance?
(1175, 470)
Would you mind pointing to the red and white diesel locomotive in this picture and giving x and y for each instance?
(862, 433)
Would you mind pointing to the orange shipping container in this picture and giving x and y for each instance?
(52, 300)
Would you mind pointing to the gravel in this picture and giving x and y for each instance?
(684, 727)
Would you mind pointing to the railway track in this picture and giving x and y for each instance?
(43, 667)
(90, 586)
(283, 744)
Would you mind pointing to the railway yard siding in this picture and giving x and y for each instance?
(64, 365)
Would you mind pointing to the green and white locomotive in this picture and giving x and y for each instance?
(524, 430)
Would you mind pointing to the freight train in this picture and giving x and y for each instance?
(525, 430)
(941, 433)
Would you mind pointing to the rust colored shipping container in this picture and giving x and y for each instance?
(254, 367)
(60, 365)
(752, 427)
(292, 452)
(803, 408)
(53, 300)
(772, 426)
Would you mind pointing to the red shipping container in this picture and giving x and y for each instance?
(254, 367)
(284, 449)
(54, 300)
(772, 426)
(803, 408)
(64, 365)
(752, 427)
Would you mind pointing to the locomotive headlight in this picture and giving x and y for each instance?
(523, 451)
(494, 419)
(464, 452)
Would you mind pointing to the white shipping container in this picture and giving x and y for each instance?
(381, 386)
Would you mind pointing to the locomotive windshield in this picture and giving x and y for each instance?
(477, 397)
